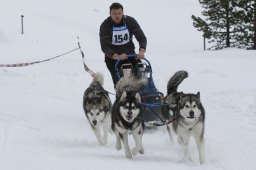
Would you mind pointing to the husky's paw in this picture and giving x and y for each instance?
(110, 130)
(101, 143)
(180, 141)
(105, 140)
(135, 151)
(141, 151)
(128, 154)
(189, 157)
(118, 146)
(202, 160)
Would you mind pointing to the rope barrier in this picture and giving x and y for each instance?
(37, 62)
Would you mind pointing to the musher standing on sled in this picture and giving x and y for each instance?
(116, 34)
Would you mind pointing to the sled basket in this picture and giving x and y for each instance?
(151, 98)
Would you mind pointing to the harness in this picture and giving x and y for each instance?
(163, 122)
(129, 126)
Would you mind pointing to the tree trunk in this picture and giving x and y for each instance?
(228, 23)
(254, 20)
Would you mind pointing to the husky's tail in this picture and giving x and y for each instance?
(175, 81)
(98, 78)
(130, 84)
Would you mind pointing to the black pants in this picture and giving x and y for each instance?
(111, 66)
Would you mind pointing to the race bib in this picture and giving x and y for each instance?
(121, 35)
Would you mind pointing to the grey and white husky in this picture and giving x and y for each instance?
(127, 116)
(97, 107)
(187, 113)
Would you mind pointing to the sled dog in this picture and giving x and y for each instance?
(126, 114)
(97, 107)
(188, 114)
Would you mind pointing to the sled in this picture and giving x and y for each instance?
(151, 98)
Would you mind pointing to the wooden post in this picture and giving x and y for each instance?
(204, 44)
(22, 28)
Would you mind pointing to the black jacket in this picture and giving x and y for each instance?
(106, 32)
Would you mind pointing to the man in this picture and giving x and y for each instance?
(116, 34)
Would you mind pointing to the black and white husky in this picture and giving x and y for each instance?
(97, 107)
(127, 116)
(188, 114)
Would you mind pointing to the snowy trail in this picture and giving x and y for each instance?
(47, 124)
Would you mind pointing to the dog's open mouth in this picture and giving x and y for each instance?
(189, 117)
(129, 118)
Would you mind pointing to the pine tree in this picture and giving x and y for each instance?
(219, 24)
(228, 23)
(246, 31)
(254, 23)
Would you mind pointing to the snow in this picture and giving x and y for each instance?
(42, 123)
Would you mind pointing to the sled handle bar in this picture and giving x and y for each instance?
(132, 55)
(129, 56)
